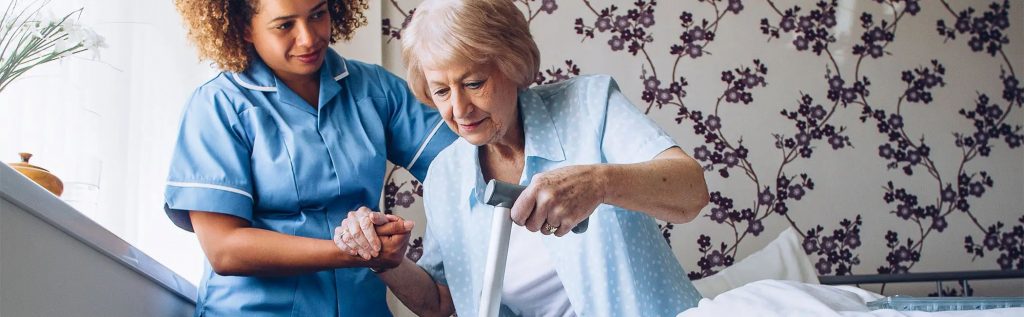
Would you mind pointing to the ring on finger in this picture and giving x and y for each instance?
(549, 229)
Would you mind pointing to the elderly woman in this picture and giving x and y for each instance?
(583, 150)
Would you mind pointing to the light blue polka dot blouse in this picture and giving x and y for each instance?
(620, 266)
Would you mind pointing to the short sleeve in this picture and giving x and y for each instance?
(628, 135)
(210, 168)
(416, 133)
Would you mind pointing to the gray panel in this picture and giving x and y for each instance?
(45, 272)
(54, 261)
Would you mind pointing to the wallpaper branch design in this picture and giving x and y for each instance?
(395, 32)
(812, 121)
(725, 154)
(986, 32)
(394, 195)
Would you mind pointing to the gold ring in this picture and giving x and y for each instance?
(549, 228)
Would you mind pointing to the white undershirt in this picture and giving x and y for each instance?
(531, 286)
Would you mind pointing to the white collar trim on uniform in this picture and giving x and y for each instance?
(344, 69)
(252, 86)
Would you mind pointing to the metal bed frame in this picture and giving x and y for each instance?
(938, 277)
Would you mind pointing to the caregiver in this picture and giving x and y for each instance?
(281, 146)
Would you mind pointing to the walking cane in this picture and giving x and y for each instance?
(501, 195)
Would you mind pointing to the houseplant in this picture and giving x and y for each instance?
(32, 35)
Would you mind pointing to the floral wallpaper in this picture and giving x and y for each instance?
(887, 132)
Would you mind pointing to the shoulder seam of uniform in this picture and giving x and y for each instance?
(423, 146)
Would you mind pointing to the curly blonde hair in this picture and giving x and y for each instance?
(217, 28)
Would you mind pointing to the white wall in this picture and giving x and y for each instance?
(118, 115)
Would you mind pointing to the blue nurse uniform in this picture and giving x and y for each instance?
(250, 147)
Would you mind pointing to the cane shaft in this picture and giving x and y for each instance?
(497, 254)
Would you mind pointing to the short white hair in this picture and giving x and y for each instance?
(478, 32)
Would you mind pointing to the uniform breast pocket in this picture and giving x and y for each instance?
(272, 173)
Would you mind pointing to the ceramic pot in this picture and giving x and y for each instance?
(38, 174)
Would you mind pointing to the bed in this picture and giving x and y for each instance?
(779, 280)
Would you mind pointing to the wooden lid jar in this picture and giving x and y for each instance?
(38, 174)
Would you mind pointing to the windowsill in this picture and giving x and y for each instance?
(42, 204)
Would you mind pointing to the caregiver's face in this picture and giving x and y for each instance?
(291, 36)
(477, 102)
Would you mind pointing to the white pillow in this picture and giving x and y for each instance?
(782, 259)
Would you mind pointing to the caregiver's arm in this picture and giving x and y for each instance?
(418, 291)
(235, 248)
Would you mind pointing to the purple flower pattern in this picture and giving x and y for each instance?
(990, 127)
(626, 30)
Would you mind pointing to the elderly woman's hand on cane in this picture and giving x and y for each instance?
(557, 200)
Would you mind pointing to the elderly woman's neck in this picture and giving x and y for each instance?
(511, 145)
(504, 159)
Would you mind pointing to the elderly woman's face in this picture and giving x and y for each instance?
(477, 102)
(291, 36)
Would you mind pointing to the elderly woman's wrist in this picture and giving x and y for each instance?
(385, 269)
(606, 174)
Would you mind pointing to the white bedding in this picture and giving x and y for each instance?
(789, 298)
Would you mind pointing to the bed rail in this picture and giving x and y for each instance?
(938, 277)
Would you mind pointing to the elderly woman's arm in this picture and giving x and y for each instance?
(669, 187)
(418, 291)
(410, 283)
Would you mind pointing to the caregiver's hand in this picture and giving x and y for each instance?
(393, 237)
(357, 233)
(557, 200)
(394, 241)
